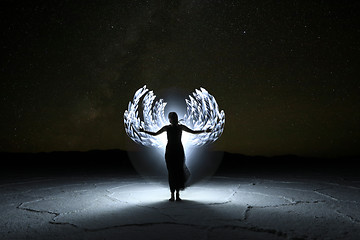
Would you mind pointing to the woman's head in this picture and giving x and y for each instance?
(173, 118)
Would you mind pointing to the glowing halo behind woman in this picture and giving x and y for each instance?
(202, 113)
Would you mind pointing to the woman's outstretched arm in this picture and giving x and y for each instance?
(163, 129)
(186, 129)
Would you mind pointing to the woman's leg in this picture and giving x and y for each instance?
(172, 198)
(178, 195)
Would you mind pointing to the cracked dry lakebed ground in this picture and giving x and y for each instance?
(223, 207)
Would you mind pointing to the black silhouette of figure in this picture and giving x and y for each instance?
(178, 173)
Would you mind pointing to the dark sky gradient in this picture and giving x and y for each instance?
(286, 73)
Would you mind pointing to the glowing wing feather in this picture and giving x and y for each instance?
(202, 113)
(153, 115)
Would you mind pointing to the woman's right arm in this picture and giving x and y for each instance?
(163, 129)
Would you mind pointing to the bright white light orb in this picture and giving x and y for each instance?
(202, 112)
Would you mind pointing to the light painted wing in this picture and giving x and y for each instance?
(153, 118)
(203, 113)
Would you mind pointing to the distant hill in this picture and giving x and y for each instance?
(65, 162)
(116, 160)
(287, 164)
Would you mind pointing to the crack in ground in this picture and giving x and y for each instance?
(235, 191)
(325, 195)
(252, 229)
(131, 225)
(37, 211)
(351, 218)
(291, 204)
(332, 197)
(200, 227)
(65, 223)
(158, 210)
(247, 212)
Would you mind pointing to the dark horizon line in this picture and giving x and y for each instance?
(225, 152)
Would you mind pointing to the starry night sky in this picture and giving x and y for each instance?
(286, 73)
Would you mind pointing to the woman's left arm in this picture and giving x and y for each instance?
(186, 129)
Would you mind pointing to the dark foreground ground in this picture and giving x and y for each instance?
(98, 195)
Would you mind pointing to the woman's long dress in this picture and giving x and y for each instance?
(175, 159)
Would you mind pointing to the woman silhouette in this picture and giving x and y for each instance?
(178, 173)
